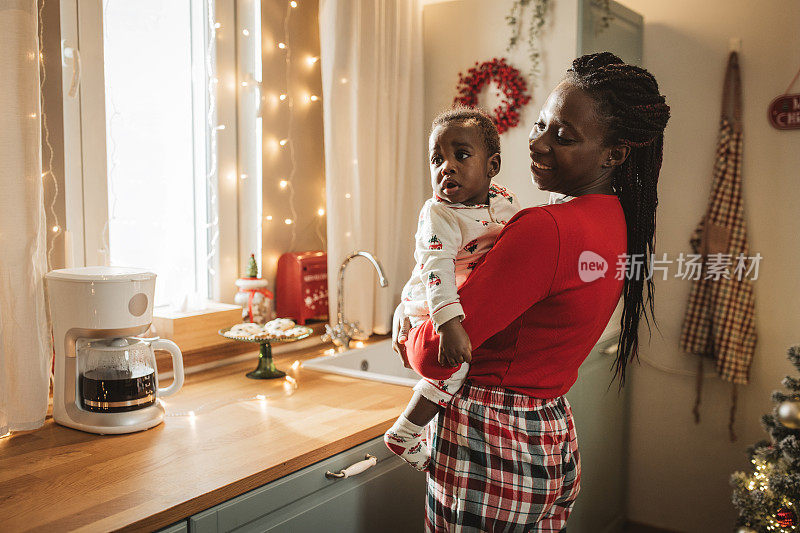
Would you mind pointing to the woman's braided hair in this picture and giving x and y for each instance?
(634, 114)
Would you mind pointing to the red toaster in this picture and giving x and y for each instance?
(301, 287)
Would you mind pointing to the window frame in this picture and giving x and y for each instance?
(85, 170)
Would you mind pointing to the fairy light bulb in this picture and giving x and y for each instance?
(55, 229)
(347, 196)
(245, 32)
(293, 3)
(311, 60)
(321, 212)
(281, 46)
(243, 176)
(217, 25)
(244, 84)
(288, 221)
(314, 98)
(282, 97)
(283, 142)
(268, 217)
(282, 184)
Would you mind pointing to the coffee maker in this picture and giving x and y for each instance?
(106, 379)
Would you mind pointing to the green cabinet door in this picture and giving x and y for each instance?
(387, 497)
(623, 35)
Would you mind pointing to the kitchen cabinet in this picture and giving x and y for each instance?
(601, 419)
(179, 527)
(389, 496)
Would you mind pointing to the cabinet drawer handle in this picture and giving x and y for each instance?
(354, 469)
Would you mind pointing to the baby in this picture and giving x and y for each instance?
(456, 227)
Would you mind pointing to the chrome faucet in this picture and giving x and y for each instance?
(343, 332)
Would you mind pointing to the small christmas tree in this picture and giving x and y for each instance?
(252, 267)
(767, 499)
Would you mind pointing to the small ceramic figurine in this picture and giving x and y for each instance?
(254, 297)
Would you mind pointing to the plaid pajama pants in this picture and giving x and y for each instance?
(502, 461)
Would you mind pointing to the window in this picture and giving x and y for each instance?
(156, 145)
(151, 142)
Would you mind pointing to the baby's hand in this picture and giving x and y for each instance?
(454, 345)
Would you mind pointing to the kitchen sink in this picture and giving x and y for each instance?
(376, 362)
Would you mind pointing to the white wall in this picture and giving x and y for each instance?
(679, 471)
(453, 45)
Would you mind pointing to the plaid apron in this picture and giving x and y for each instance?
(720, 317)
(502, 462)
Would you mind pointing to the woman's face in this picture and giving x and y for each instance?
(566, 144)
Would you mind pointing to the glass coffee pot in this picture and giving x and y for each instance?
(116, 375)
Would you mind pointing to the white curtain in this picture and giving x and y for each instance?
(25, 346)
(375, 146)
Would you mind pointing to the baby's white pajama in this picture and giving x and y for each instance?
(450, 241)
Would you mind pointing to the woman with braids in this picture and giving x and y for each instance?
(504, 452)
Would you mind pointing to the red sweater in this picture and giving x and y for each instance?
(530, 317)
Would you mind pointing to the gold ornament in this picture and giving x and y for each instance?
(789, 414)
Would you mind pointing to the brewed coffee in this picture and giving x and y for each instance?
(108, 390)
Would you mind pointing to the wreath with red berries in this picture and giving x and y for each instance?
(510, 83)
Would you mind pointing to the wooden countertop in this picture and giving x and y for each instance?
(58, 479)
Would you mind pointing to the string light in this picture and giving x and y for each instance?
(288, 96)
(56, 229)
(268, 217)
(46, 137)
(321, 212)
(245, 32)
(347, 196)
(243, 176)
(244, 84)
(211, 118)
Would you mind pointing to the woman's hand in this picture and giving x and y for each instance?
(400, 327)
(454, 344)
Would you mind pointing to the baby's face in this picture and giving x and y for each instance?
(461, 170)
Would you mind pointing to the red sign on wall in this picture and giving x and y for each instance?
(784, 112)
